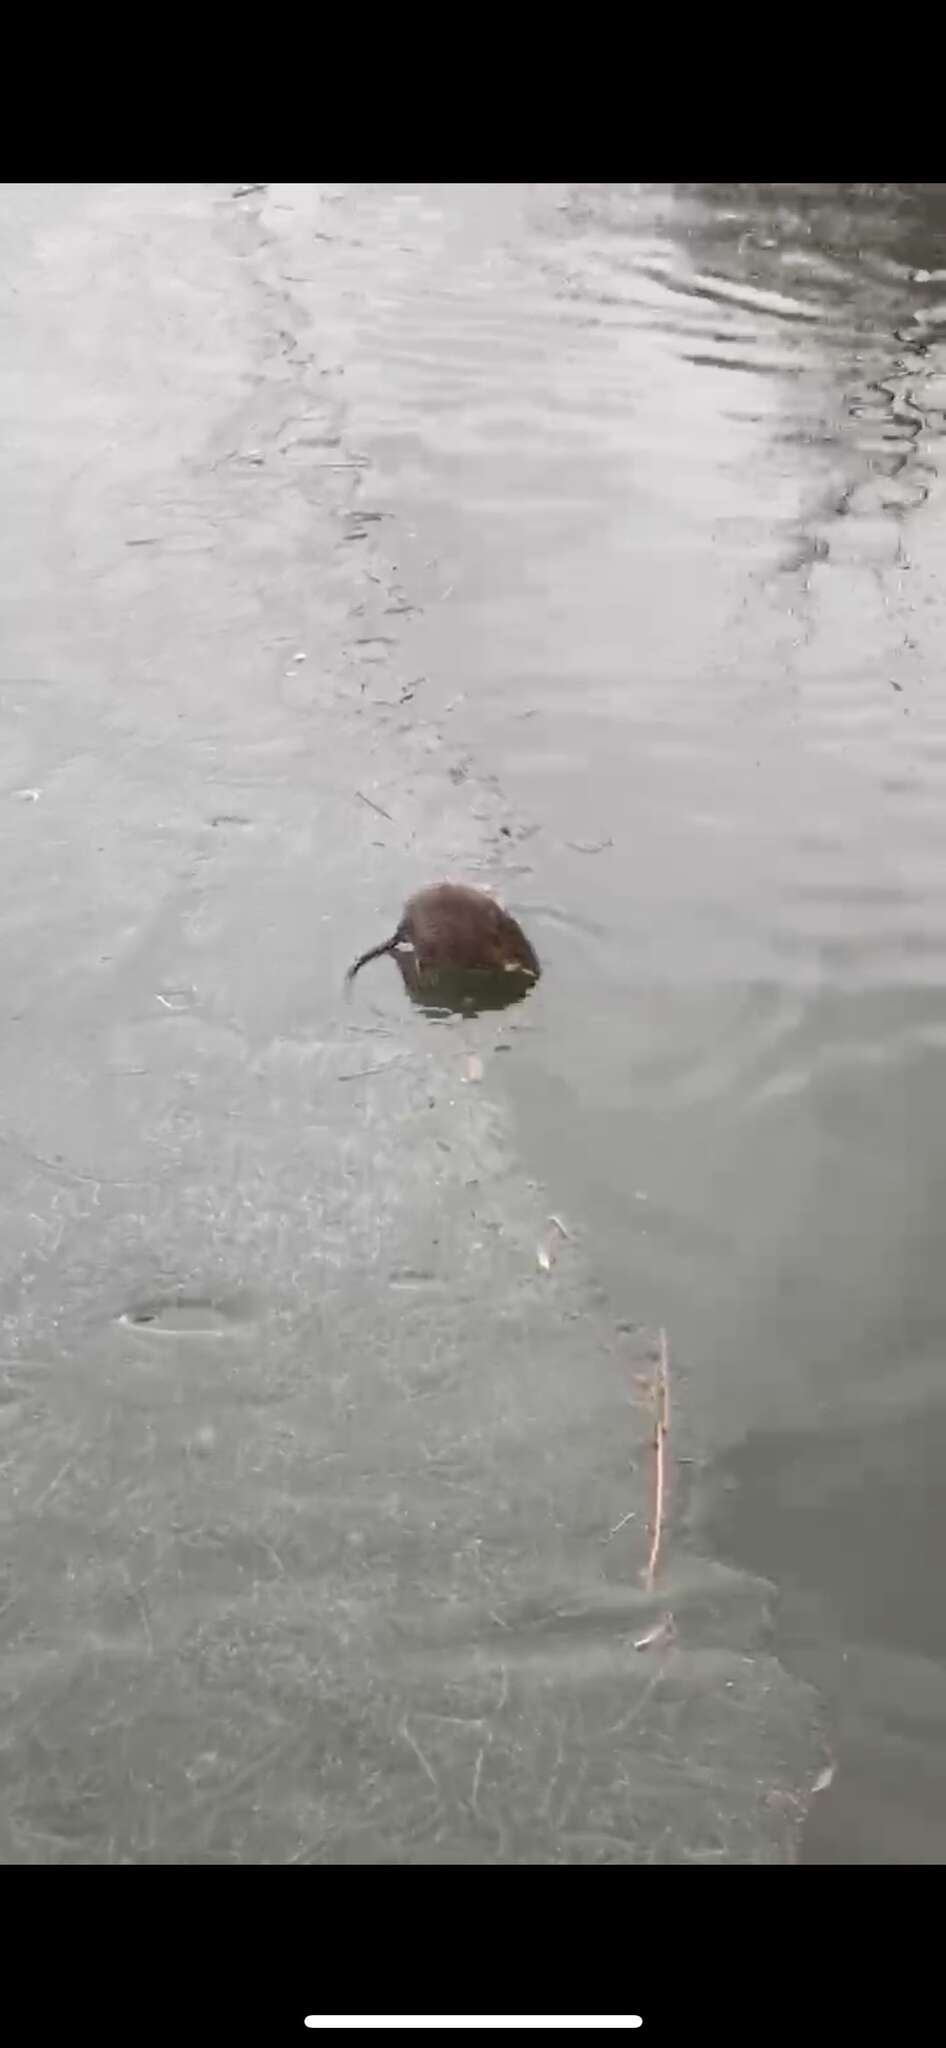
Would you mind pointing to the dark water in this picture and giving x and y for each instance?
(609, 523)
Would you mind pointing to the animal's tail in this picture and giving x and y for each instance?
(375, 952)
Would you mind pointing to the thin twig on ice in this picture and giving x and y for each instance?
(372, 806)
(661, 1399)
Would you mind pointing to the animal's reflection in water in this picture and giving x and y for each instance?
(463, 991)
(467, 952)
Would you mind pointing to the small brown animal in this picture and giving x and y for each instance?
(459, 930)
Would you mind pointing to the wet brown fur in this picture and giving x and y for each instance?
(461, 930)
